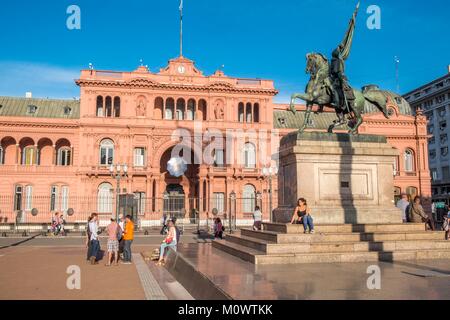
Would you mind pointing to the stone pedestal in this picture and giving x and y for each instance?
(345, 179)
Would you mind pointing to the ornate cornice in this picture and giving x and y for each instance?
(149, 84)
(40, 125)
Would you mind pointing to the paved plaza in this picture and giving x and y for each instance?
(37, 269)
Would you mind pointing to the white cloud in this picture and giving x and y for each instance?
(43, 80)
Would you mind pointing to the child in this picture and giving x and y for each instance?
(257, 217)
(218, 228)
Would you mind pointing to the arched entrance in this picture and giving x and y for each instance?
(180, 194)
(174, 201)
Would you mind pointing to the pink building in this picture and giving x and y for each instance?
(57, 154)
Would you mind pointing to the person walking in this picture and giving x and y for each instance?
(417, 214)
(164, 224)
(257, 219)
(403, 204)
(170, 241)
(218, 228)
(121, 223)
(114, 231)
(88, 239)
(128, 236)
(95, 243)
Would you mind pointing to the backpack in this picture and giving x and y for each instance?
(88, 231)
(178, 234)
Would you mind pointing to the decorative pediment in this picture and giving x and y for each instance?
(221, 85)
(181, 67)
(142, 82)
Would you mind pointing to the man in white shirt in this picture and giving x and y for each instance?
(403, 205)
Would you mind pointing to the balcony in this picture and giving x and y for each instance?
(18, 168)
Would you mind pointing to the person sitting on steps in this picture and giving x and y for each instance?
(302, 214)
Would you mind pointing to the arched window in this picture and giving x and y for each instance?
(249, 154)
(159, 107)
(248, 113)
(409, 160)
(64, 156)
(412, 192)
(190, 110)
(117, 107)
(108, 107)
(202, 110)
(256, 112)
(100, 106)
(241, 112)
(248, 199)
(170, 106)
(9, 149)
(29, 155)
(105, 198)
(106, 152)
(181, 106)
(2, 155)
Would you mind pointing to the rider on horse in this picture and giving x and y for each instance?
(342, 93)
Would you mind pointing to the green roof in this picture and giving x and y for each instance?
(43, 108)
(284, 119)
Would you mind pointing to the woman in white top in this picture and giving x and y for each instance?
(257, 217)
(169, 242)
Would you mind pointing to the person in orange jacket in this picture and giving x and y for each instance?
(128, 236)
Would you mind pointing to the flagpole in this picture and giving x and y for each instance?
(181, 28)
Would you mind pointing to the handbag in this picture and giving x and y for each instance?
(168, 240)
(119, 233)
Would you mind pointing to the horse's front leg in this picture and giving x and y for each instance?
(292, 104)
(307, 118)
(358, 123)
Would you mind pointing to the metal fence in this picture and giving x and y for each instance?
(147, 212)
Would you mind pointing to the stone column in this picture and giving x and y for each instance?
(17, 153)
(55, 156)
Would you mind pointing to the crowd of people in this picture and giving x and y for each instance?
(121, 233)
(58, 222)
(413, 211)
(120, 237)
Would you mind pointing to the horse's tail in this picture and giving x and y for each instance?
(379, 99)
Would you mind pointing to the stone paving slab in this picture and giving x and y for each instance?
(40, 273)
(151, 287)
(335, 281)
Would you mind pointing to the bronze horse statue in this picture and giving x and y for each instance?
(319, 92)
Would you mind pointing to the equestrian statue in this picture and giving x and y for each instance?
(329, 87)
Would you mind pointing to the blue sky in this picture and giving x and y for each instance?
(252, 38)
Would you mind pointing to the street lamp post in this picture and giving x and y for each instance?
(270, 172)
(232, 209)
(118, 172)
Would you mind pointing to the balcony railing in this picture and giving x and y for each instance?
(19, 168)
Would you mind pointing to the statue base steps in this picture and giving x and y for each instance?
(287, 244)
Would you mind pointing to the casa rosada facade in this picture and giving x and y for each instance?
(57, 155)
